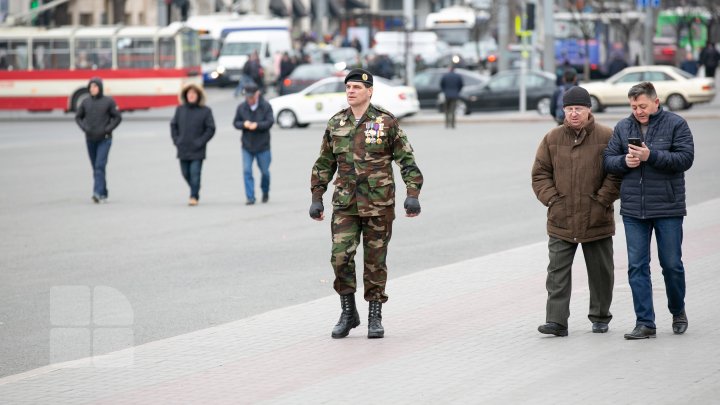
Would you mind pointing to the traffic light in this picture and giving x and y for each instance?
(33, 5)
(530, 17)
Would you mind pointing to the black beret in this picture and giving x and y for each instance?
(359, 75)
(576, 95)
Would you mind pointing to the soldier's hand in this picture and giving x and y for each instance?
(412, 207)
(316, 211)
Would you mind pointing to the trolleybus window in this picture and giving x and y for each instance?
(136, 53)
(166, 52)
(51, 54)
(13, 55)
(93, 53)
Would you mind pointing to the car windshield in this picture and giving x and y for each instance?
(312, 71)
(240, 48)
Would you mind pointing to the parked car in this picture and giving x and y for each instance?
(676, 89)
(427, 84)
(319, 101)
(664, 50)
(502, 92)
(305, 75)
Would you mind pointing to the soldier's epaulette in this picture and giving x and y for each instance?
(340, 114)
(384, 111)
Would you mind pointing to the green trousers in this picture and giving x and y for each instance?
(601, 277)
(376, 232)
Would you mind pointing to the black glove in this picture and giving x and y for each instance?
(316, 209)
(412, 205)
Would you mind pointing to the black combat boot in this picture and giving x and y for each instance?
(375, 328)
(349, 318)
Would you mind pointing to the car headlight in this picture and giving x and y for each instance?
(220, 70)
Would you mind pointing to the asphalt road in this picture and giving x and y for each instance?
(181, 268)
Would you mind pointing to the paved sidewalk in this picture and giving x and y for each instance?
(462, 333)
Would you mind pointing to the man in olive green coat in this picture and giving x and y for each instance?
(568, 178)
(360, 143)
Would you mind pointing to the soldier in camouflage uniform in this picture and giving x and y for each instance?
(360, 143)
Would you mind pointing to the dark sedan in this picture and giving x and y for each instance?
(305, 75)
(427, 84)
(502, 92)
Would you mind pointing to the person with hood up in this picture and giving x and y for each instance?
(97, 117)
(191, 129)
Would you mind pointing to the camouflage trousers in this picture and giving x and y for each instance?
(376, 232)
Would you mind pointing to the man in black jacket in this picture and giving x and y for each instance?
(255, 117)
(451, 83)
(98, 116)
(652, 199)
(191, 129)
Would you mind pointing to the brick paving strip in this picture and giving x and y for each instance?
(461, 333)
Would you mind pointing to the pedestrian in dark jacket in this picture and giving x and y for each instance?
(568, 178)
(255, 117)
(709, 57)
(451, 83)
(652, 149)
(98, 116)
(254, 70)
(191, 129)
(569, 79)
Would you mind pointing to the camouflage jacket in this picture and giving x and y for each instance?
(362, 155)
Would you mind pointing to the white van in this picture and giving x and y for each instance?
(270, 38)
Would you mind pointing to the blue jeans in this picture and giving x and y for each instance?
(98, 151)
(669, 233)
(191, 170)
(263, 162)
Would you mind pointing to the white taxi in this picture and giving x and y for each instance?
(675, 88)
(322, 99)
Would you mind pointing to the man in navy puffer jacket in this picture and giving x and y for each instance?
(652, 198)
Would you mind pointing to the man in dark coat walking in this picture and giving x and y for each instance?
(191, 129)
(254, 117)
(709, 57)
(652, 149)
(98, 116)
(451, 83)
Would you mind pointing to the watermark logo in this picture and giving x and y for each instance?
(89, 322)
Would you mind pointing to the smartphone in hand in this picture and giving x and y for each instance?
(635, 141)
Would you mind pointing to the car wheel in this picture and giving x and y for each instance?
(461, 108)
(305, 125)
(595, 105)
(543, 106)
(286, 119)
(675, 102)
(78, 98)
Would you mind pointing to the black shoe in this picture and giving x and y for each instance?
(250, 202)
(375, 328)
(96, 199)
(552, 328)
(265, 198)
(640, 332)
(599, 327)
(349, 318)
(680, 323)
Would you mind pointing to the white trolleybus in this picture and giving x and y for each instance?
(141, 67)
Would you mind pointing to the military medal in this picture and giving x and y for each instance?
(369, 133)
